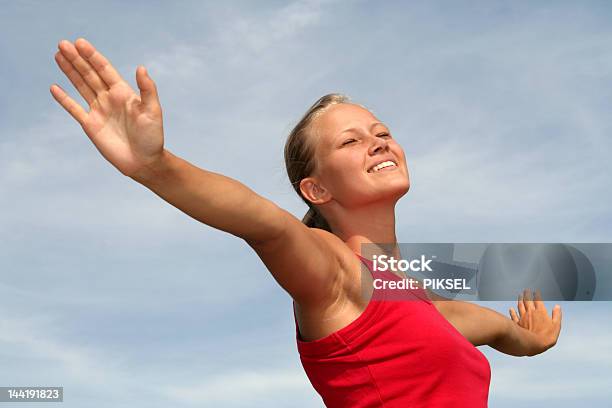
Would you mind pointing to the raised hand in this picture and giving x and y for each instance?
(126, 127)
(544, 329)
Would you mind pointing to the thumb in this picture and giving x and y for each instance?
(148, 90)
(513, 315)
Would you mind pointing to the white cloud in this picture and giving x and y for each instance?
(231, 388)
(36, 337)
(236, 39)
(503, 115)
(534, 383)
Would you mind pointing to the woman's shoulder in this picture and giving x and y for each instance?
(348, 259)
(335, 242)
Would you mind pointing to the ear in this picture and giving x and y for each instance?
(313, 191)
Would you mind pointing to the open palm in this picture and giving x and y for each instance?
(125, 127)
(534, 317)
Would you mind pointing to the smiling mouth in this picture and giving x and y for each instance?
(384, 166)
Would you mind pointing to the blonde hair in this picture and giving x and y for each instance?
(299, 155)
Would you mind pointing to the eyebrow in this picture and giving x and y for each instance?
(354, 129)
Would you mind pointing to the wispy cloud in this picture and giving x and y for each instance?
(501, 108)
(262, 386)
(37, 338)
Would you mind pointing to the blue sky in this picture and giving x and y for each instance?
(502, 109)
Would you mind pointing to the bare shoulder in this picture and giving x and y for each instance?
(347, 286)
(350, 264)
(345, 255)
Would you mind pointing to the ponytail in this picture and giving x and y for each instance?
(299, 155)
(314, 219)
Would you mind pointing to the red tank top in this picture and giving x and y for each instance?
(396, 354)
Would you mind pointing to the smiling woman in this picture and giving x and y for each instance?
(310, 138)
(357, 349)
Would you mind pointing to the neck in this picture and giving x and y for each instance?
(373, 224)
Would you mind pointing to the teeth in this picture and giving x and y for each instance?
(382, 165)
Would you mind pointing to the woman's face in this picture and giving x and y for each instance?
(350, 142)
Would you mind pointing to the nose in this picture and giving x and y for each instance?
(379, 145)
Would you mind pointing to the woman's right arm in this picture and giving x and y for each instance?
(306, 262)
(126, 127)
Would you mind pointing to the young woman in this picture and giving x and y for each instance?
(357, 350)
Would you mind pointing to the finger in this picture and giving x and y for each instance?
(556, 317)
(556, 314)
(100, 64)
(513, 315)
(538, 303)
(90, 76)
(73, 108)
(148, 90)
(77, 80)
(528, 299)
(521, 305)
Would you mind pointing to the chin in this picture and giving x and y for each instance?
(406, 188)
(396, 190)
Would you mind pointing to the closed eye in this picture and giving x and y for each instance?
(348, 141)
(383, 135)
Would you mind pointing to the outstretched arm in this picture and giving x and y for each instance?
(531, 333)
(126, 128)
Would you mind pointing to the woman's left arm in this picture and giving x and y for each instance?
(530, 332)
